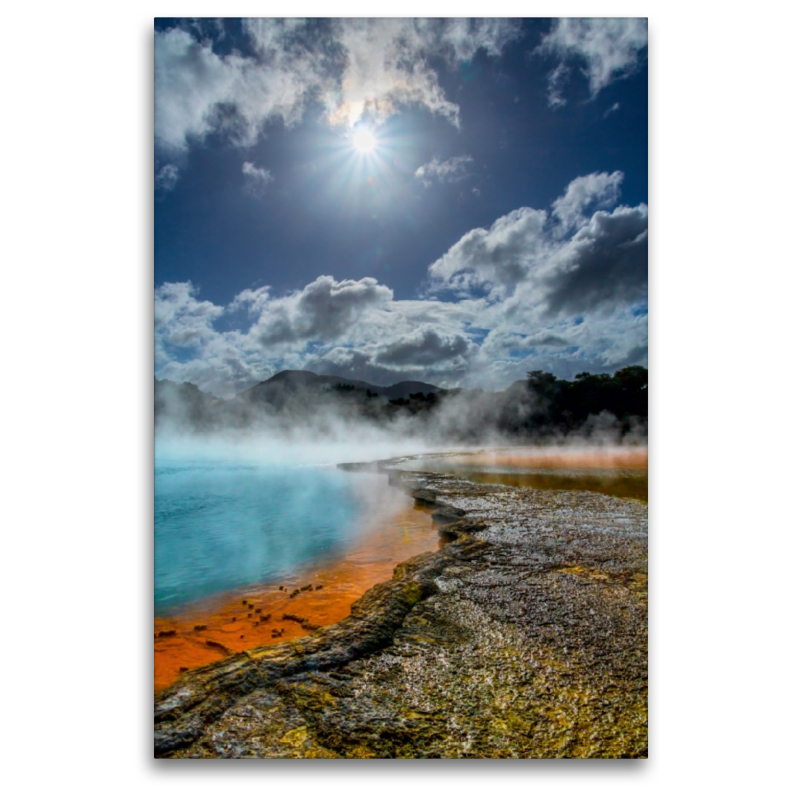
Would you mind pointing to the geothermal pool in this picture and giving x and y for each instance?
(221, 525)
(238, 541)
(238, 545)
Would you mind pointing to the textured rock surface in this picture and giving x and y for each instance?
(526, 636)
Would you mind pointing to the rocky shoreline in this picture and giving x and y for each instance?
(524, 637)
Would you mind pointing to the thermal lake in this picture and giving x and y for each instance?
(236, 539)
(240, 542)
(224, 524)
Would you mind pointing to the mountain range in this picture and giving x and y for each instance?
(279, 387)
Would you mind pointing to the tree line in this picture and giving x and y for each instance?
(540, 406)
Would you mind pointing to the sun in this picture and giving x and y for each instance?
(364, 141)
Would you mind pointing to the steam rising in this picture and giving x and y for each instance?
(328, 424)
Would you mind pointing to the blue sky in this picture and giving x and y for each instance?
(446, 200)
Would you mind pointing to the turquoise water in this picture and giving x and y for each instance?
(220, 525)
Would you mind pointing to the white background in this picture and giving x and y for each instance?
(77, 413)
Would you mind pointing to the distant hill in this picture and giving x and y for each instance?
(543, 405)
(287, 384)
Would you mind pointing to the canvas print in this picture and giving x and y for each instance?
(400, 397)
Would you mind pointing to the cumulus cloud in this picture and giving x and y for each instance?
(256, 179)
(606, 49)
(485, 258)
(325, 309)
(351, 328)
(188, 347)
(453, 169)
(604, 263)
(198, 92)
(423, 347)
(180, 318)
(253, 300)
(223, 368)
(564, 290)
(577, 258)
(598, 189)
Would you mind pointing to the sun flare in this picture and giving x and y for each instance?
(364, 141)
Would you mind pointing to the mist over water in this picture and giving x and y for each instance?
(220, 525)
(240, 507)
(233, 513)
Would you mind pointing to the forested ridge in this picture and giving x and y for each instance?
(540, 405)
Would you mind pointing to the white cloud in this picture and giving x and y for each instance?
(453, 169)
(256, 178)
(222, 369)
(181, 319)
(254, 300)
(324, 310)
(563, 290)
(500, 256)
(599, 189)
(355, 66)
(189, 348)
(425, 346)
(184, 330)
(604, 264)
(608, 49)
(388, 62)
(556, 81)
(166, 178)
(574, 259)
(464, 37)
(198, 92)
(386, 68)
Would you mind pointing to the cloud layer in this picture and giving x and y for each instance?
(562, 289)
